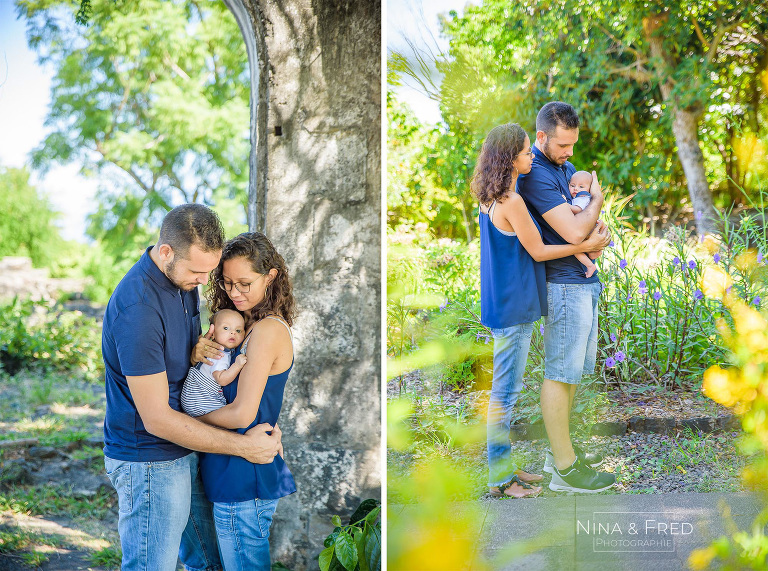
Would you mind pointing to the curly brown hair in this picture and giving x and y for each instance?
(259, 251)
(493, 170)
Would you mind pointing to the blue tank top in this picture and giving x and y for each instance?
(234, 479)
(513, 286)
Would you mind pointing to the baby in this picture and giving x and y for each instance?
(202, 392)
(579, 186)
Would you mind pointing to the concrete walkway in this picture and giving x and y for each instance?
(601, 532)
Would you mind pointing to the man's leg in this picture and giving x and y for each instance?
(556, 402)
(567, 333)
(199, 550)
(153, 499)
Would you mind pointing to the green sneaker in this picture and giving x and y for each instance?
(590, 459)
(579, 477)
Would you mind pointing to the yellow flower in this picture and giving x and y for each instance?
(701, 558)
(714, 281)
(717, 386)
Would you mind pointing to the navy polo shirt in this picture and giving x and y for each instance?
(544, 188)
(150, 326)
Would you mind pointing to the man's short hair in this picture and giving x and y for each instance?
(556, 114)
(191, 224)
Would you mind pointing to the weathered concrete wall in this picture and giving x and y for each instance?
(316, 179)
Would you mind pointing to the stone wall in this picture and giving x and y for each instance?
(19, 278)
(316, 187)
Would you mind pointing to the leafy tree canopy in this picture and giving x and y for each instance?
(27, 226)
(152, 98)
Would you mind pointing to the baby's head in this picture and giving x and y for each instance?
(228, 328)
(580, 181)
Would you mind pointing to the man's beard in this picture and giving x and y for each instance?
(169, 271)
(545, 149)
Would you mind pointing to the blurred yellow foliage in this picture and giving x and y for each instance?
(744, 387)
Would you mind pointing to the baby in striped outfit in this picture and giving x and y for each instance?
(202, 392)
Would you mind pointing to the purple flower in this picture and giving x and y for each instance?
(716, 257)
(623, 263)
(610, 363)
(657, 296)
(642, 288)
(487, 339)
(619, 356)
(629, 297)
(444, 305)
(541, 329)
(728, 289)
(675, 261)
(698, 215)
(697, 295)
(477, 337)
(759, 257)
(692, 264)
(613, 338)
(611, 244)
(756, 301)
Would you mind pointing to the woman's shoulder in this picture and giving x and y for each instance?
(271, 326)
(511, 202)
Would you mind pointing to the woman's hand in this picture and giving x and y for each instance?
(206, 349)
(598, 240)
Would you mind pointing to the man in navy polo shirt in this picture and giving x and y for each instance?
(151, 327)
(570, 330)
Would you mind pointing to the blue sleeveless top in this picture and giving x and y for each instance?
(513, 286)
(235, 479)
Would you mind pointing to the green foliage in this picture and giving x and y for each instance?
(27, 227)
(152, 98)
(507, 59)
(356, 546)
(109, 557)
(63, 342)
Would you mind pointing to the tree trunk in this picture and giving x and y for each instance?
(685, 126)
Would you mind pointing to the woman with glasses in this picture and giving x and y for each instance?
(252, 279)
(513, 292)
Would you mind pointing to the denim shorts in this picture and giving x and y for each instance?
(163, 515)
(570, 331)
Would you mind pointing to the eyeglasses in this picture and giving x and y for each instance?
(227, 286)
(528, 154)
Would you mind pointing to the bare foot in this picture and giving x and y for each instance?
(529, 478)
(591, 270)
(517, 491)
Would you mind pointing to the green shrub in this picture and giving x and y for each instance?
(56, 341)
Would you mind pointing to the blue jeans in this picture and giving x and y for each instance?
(510, 353)
(243, 532)
(570, 331)
(163, 515)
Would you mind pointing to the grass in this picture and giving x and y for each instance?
(56, 500)
(108, 557)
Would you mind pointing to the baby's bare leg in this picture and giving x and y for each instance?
(584, 259)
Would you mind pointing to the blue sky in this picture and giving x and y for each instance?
(25, 90)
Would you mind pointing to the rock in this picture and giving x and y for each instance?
(15, 472)
(42, 452)
(527, 432)
(656, 425)
(728, 423)
(617, 428)
(703, 424)
(41, 411)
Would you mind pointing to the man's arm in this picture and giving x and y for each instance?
(574, 228)
(150, 394)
